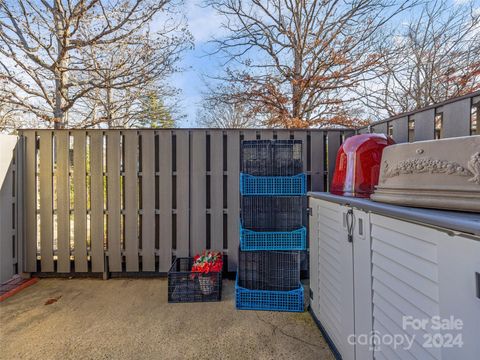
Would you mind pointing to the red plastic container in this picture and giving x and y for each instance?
(358, 165)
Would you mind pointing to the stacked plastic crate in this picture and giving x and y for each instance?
(272, 231)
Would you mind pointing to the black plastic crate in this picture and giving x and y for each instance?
(274, 213)
(271, 157)
(269, 270)
(185, 286)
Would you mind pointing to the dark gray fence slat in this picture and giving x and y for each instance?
(380, 128)
(46, 202)
(456, 118)
(348, 133)
(79, 202)
(424, 125)
(63, 201)
(165, 201)
(96, 202)
(183, 187)
(113, 201)
(130, 194)
(30, 205)
(317, 157)
(400, 129)
(198, 185)
(334, 141)
(302, 135)
(216, 185)
(233, 197)
(148, 201)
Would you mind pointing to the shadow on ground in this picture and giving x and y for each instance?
(131, 319)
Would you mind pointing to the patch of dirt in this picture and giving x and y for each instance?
(52, 300)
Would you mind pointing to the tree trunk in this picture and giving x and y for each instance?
(297, 87)
(61, 75)
(108, 107)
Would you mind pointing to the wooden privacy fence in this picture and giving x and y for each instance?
(452, 118)
(129, 200)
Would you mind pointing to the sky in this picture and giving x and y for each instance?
(203, 23)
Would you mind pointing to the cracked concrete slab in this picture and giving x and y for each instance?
(131, 319)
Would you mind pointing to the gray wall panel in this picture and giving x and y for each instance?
(400, 129)
(456, 119)
(424, 125)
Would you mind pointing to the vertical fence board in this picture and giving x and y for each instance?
(183, 197)
(456, 118)
(233, 197)
(131, 209)
(216, 185)
(266, 134)
(46, 202)
(317, 158)
(424, 125)
(113, 201)
(8, 257)
(198, 185)
(63, 201)
(283, 135)
(80, 202)
(30, 204)
(334, 141)
(302, 135)
(96, 202)
(19, 201)
(148, 201)
(249, 134)
(165, 201)
(400, 129)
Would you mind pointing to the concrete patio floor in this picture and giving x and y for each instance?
(131, 319)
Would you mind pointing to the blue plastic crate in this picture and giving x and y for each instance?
(246, 299)
(273, 185)
(273, 240)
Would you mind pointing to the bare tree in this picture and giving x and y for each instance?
(219, 114)
(224, 111)
(57, 53)
(435, 56)
(131, 71)
(295, 62)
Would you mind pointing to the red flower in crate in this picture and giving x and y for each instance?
(205, 266)
(207, 261)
